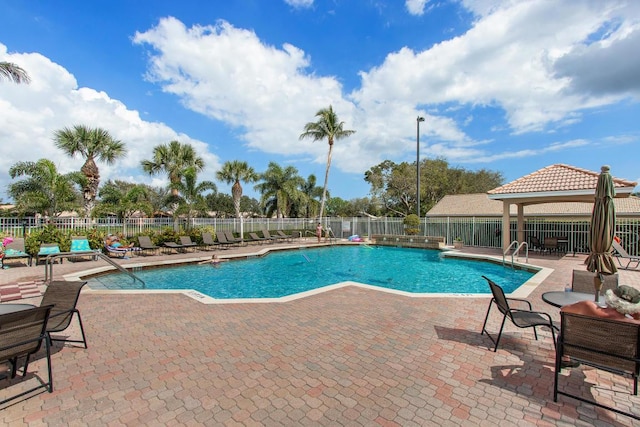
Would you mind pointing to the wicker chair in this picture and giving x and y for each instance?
(520, 318)
(582, 281)
(607, 344)
(63, 296)
(21, 335)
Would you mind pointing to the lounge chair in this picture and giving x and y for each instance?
(15, 250)
(622, 254)
(63, 296)
(176, 246)
(115, 252)
(80, 245)
(147, 245)
(520, 318)
(285, 236)
(582, 281)
(268, 235)
(187, 242)
(208, 242)
(255, 238)
(21, 335)
(222, 240)
(233, 239)
(47, 250)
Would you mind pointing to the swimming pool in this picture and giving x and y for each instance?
(284, 273)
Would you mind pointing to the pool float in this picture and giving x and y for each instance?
(355, 238)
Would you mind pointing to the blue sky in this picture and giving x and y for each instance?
(510, 86)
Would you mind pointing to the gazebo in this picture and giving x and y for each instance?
(552, 184)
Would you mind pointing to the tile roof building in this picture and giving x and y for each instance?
(480, 205)
(555, 184)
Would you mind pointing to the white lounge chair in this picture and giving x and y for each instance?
(622, 254)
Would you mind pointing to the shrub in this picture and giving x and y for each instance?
(412, 224)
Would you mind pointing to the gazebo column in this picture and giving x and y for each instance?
(506, 224)
(520, 227)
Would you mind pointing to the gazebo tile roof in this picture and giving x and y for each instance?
(558, 177)
(480, 205)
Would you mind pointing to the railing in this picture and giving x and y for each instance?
(524, 245)
(50, 261)
(483, 232)
(511, 246)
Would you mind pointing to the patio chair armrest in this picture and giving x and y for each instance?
(521, 300)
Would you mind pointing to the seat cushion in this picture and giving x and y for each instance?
(80, 245)
(49, 250)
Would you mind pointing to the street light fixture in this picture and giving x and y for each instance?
(418, 120)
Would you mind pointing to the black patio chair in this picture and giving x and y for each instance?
(63, 296)
(520, 318)
(535, 244)
(21, 335)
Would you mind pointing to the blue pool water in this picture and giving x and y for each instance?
(289, 272)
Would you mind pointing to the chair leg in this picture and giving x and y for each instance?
(559, 350)
(486, 317)
(84, 339)
(26, 366)
(504, 319)
(47, 344)
(14, 366)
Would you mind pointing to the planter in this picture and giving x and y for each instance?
(458, 245)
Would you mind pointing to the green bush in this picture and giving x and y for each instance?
(49, 234)
(411, 224)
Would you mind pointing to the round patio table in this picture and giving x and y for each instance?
(12, 308)
(561, 298)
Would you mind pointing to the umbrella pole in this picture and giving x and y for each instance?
(597, 284)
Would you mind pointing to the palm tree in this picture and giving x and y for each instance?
(235, 172)
(14, 73)
(280, 189)
(44, 191)
(193, 200)
(91, 144)
(311, 193)
(173, 159)
(327, 126)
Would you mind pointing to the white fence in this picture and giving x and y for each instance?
(474, 231)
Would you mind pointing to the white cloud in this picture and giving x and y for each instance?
(32, 113)
(228, 74)
(524, 58)
(507, 60)
(415, 7)
(299, 3)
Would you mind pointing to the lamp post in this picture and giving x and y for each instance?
(418, 120)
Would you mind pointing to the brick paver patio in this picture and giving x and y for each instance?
(348, 357)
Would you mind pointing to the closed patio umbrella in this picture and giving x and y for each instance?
(603, 229)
